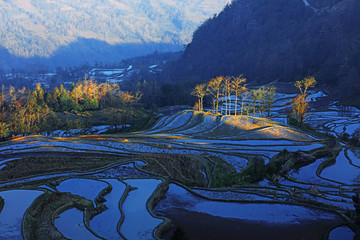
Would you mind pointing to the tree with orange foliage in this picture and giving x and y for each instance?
(238, 87)
(300, 103)
(214, 87)
(227, 93)
(200, 91)
(76, 92)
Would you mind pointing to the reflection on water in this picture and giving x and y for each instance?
(105, 224)
(342, 171)
(139, 224)
(16, 203)
(203, 219)
(341, 233)
(70, 223)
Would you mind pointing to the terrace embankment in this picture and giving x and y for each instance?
(189, 169)
(208, 125)
(38, 220)
(1, 204)
(39, 165)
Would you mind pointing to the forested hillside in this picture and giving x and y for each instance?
(38, 28)
(279, 40)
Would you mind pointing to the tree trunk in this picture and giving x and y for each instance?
(254, 111)
(242, 106)
(217, 100)
(235, 103)
(229, 102)
(226, 105)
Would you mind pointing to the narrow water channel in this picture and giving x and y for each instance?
(139, 224)
(105, 224)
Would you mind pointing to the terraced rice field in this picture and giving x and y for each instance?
(226, 174)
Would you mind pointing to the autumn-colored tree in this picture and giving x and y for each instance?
(4, 129)
(255, 96)
(227, 93)
(12, 94)
(200, 91)
(300, 103)
(76, 92)
(214, 87)
(244, 95)
(238, 86)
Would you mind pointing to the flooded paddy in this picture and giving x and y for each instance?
(341, 233)
(106, 223)
(138, 223)
(71, 224)
(87, 188)
(203, 219)
(342, 171)
(262, 191)
(15, 204)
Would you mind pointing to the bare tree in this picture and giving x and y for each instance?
(227, 94)
(214, 88)
(255, 96)
(238, 87)
(245, 94)
(200, 91)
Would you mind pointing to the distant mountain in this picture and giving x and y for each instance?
(282, 40)
(83, 51)
(32, 28)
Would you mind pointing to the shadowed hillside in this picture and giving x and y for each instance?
(285, 40)
(86, 51)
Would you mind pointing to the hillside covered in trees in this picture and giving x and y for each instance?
(25, 111)
(96, 30)
(278, 40)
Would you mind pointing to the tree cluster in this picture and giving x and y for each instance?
(24, 111)
(226, 91)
